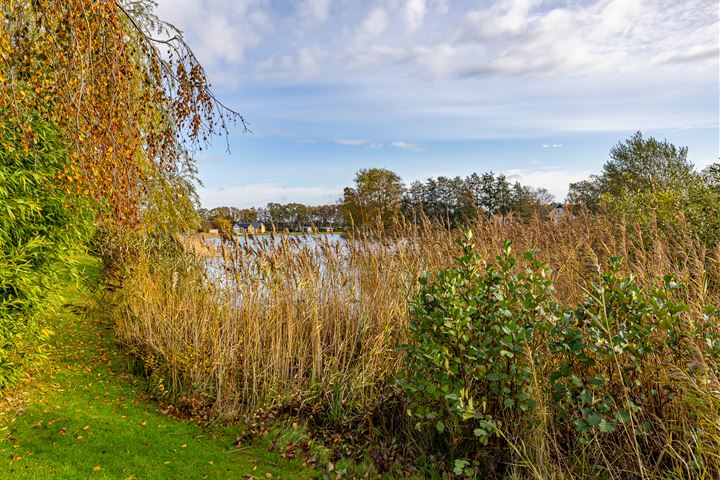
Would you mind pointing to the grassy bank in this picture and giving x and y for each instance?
(79, 414)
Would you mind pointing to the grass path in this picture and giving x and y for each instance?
(79, 415)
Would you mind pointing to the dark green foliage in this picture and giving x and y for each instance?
(608, 348)
(41, 225)
(476, 333)
(652, 184)
(454, 201)
(491, 353)
(636, 165)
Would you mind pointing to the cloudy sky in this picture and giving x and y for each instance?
(539, 90)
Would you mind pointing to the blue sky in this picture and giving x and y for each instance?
(539, 90)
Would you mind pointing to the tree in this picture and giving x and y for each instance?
(377, 195)
(652, 184)
(130, 99)
(586, 193)
(639, 164)
(636, 165)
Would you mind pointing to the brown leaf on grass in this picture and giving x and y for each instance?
(16, 457)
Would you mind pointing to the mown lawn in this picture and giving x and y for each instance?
(80, 415)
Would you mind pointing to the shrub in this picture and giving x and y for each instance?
(498, 373)
(476, 334)
(604, 346)
(43, 222)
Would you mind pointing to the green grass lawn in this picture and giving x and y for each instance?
(80, 415)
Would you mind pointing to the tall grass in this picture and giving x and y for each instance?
(314, 326)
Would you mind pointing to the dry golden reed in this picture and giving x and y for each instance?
(315, 324)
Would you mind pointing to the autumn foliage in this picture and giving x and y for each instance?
(131, 100)
(102, 106)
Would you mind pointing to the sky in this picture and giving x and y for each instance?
(537, 90)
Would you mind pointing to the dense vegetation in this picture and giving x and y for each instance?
(43, 224)
(97, 130)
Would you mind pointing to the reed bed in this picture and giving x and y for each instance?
(314, 326)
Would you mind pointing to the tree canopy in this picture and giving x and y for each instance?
(130, 99)
(636, 164)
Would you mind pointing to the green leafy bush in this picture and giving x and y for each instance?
(42, 224)
(476, 335)
(496, 368)
(608, 352)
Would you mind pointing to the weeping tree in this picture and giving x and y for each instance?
(102, 106)
(131, 101)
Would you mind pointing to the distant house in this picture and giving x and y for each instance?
(249, 227)
(213, 231)
(560, 213)
(308, 229)
(328, 229)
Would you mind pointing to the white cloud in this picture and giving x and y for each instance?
(441, 6)
(314, 11)
(221, 32)
(556, 181)
(406, 145)
(469, 70)
(552, 145)
(374, 24)
(260, 194)
(303, 64)
(353, 142)
(586, 38)
(414, 13)
(350, 141)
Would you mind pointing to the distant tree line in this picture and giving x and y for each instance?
(645, 180)
(380, 195)
(290, 216)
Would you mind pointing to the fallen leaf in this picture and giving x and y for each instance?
(97, 468)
